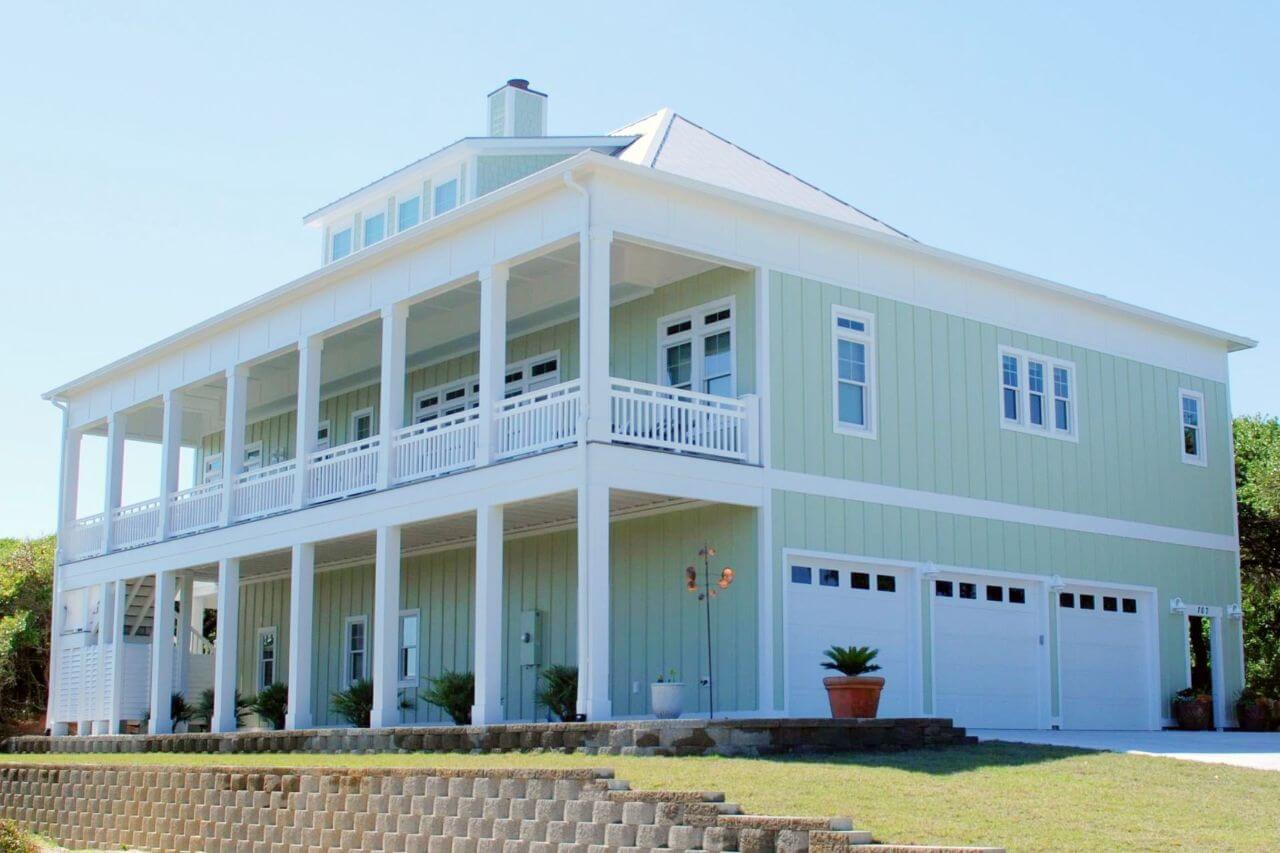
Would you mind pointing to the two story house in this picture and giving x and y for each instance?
(533, 375)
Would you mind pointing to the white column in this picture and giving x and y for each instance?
(162, 654)
(237, 403)
(69, 489)
(308, 416)
(593, 334)
(593, 602)
(302, 591)
(1217, 674)
(170, 455)
(118, 613)
(386, 628)
(488, 643)
(391, 415)
(116, 423)
(182, 650)
(226, 646)
(761, 437)
(106, 621)
(765, 603)
(493, 354)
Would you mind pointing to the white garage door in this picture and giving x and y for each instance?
(1104, 659)
(988, 652)
(830, 604)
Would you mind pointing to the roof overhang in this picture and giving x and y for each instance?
(552, 178)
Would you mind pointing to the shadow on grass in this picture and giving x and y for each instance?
(943, 761)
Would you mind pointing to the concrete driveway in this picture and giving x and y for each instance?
(1259, 750)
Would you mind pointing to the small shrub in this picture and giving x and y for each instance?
(14, 840)
(851, 660)
(204, 708)
(454, 693)
(560, 691)
(355, 704)
(270, 704)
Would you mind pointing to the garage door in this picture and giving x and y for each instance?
(988, 653)
(1104, 659)
(838, 604)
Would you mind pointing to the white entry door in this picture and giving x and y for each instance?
(1104, 659)
(848, 604)
(988, 652)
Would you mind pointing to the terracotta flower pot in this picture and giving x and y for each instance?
(1253, 716)
(853, 695)
(1194, 714)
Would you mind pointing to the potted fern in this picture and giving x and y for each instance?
(852, 693)
(666, 696)
(559, 692)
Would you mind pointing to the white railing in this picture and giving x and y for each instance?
(264, 491)
(537, 420)
(195, 509)
(82, 538)
(349, 469)
(136, 524)
(683, 421)
(435, 447)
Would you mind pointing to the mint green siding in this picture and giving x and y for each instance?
(529, 109)
(494, 171)
(870, 530)
(939, 424)
(541, 573)
(263, 604)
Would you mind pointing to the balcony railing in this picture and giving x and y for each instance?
(342, 471)
(435, 447)
(682, 421)
(195, 509)
(265, 491)
(537, 421)
(136, 524)
(83, 538)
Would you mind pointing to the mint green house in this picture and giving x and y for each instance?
(533, 375)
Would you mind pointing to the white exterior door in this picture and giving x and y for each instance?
(988, 652)
(846, 604)
(1105, 668)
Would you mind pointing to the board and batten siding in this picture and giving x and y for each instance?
(263, 604)
(938, 402)
(858, 529)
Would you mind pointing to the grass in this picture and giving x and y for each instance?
(1018, 796)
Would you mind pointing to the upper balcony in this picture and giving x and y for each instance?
(412, 393)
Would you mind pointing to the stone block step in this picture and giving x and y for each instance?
(924, 848)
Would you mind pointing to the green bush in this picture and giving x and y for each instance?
(354, 704)
(14, 840)
(851, 660)
(204, 708)
(560, 691)
(454, 693)
(270, 704)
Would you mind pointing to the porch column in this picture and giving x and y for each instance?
(391, 399)
(69, 489)
(302, 591)
(233, 436)
(488, 648)
(106, 620)
(170, 455)
(226, 647)
(116, 423)
(593, 602)
(162, 654)
(119, 608)
(593, 334)
(308, 415)
(493, 355)
(386, 629)
(183, 647)
(765, 577)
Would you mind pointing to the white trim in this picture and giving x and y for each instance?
(249, 449)
(696, 336)
(258, 682)
(363, 621)
(1200, 458)
(209, 473)
(1047, 393)
(326, 427)
(366, 412)
(410, 680)
(867, 339)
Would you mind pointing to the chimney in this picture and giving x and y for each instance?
(517, 110)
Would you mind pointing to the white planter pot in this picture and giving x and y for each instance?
(667, 699)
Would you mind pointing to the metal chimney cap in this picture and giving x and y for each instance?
(518, 83)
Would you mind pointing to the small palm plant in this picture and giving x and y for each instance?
(204, 708)
(270, 704)
(454, 693)
(560, 693)
(851, 660)
(354, 704)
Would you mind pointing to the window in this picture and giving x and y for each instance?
(253, 456)
(968, 590)
(801, 574)
(355, 659)
(530, 374)
(322, 436)
(1191, 405)
(266, 657)
(409, 620)
(375, 228)
(1017, 595)
(1130, 605)
(361, 425)
(1037, 394)
(1109, 603)
(340, 244)
(886, 583)
(696, 350)
(1066, 599)
(853, 347)
(828, 577)
(1086, 602)
(995, 593)
(860, 580)
(212, 468)
(408, 213)
(942, 589)
(446, 197)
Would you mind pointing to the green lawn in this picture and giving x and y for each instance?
(1018, 796)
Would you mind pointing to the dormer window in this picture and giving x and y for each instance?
(408, 213)
(375, 228)
(446, 197)
(341, 244)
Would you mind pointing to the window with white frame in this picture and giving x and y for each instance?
(1037, 394)
(445, 197)
(408, 668)
(340, 244)
(253, 456)
(375, 227)
(355, 650)
(695, 350)
(408, 212)
(853, 371)
(1191, 414)
(266, 657)
(530, 374)
(361, 425)
(322, 436)
(212, 468)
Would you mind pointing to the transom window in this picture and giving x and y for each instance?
(696, 350)
(408, 670)
(355, 660)
(853, 372)
(266, 657)
(530, 374)
(446, 197)
(1191, 409)
(1037, 394)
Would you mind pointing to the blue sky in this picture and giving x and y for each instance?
(156, 159)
